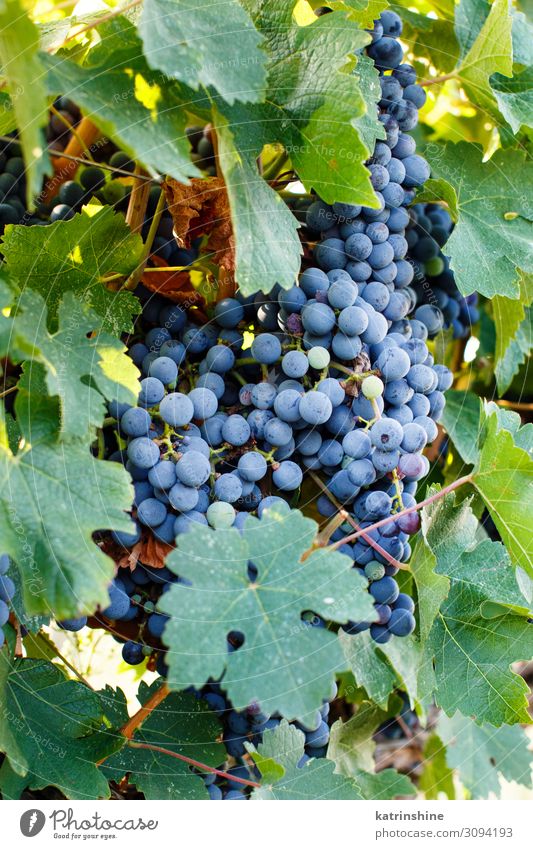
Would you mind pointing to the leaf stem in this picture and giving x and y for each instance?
(437, 80)
(138, 200)
(192, 762)
(135, 721)
(8, 391)
(364, 533)
(392, 518)
(134, 278)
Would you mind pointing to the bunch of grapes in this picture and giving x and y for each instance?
(7, 591)
(434, 284)
(337, 386)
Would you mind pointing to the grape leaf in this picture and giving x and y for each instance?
(516, 353)
(268, 249)
(434, 191)
(38, 413)
(504, 479)
(24, 72)
(461, 420)
(142, 110)
(494, 232)
(368, 126)
(490, 52)
(284, 664)
(182, 724)
(436, 777)
(192, 41)
(365, 12)
(351, 745)
(482, 755)
(370, 669)
(76, 256)
(465, 645)
(312, 103)
(512, 321)
(54, 497)
(315, 780)
(522, 39)
(383, 785)
(515, 98)
(50, 731)
(470, 15)
(83, 370)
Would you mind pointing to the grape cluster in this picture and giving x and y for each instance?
(434, 284)
(248, 726)
(7, 591)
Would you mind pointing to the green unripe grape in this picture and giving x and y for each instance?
(374, 571)
(434, 266)
(220, 515)
(318, 358)
(147, 651)
(113, 192)
(372, 387)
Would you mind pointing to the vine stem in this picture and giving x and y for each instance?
(135, 721)
(138, 200)
(192, 762)
(137, 274)
(8, 391)
(515, 405)
(364, 533)
(392, 518)
(437, 80)
(113, 14)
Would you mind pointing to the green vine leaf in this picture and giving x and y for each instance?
(504, 479)
(24, 72)
(461, 419)
(514, 326)
(482, 756)
(515, 98)
(284, 745)
(192, 41)
(268, 249)
(312, 103)
(48, 488)
(464, 644)
(273, 666)
(83, 366)
(51, 732)
(351, 743)
(492, 239)
(491, 52)
(182, 724)
(76, 256)
(437, 777)
(127, 100)
(368, 126)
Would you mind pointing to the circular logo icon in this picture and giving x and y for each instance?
(32, 822)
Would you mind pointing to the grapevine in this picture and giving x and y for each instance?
(265, 332)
